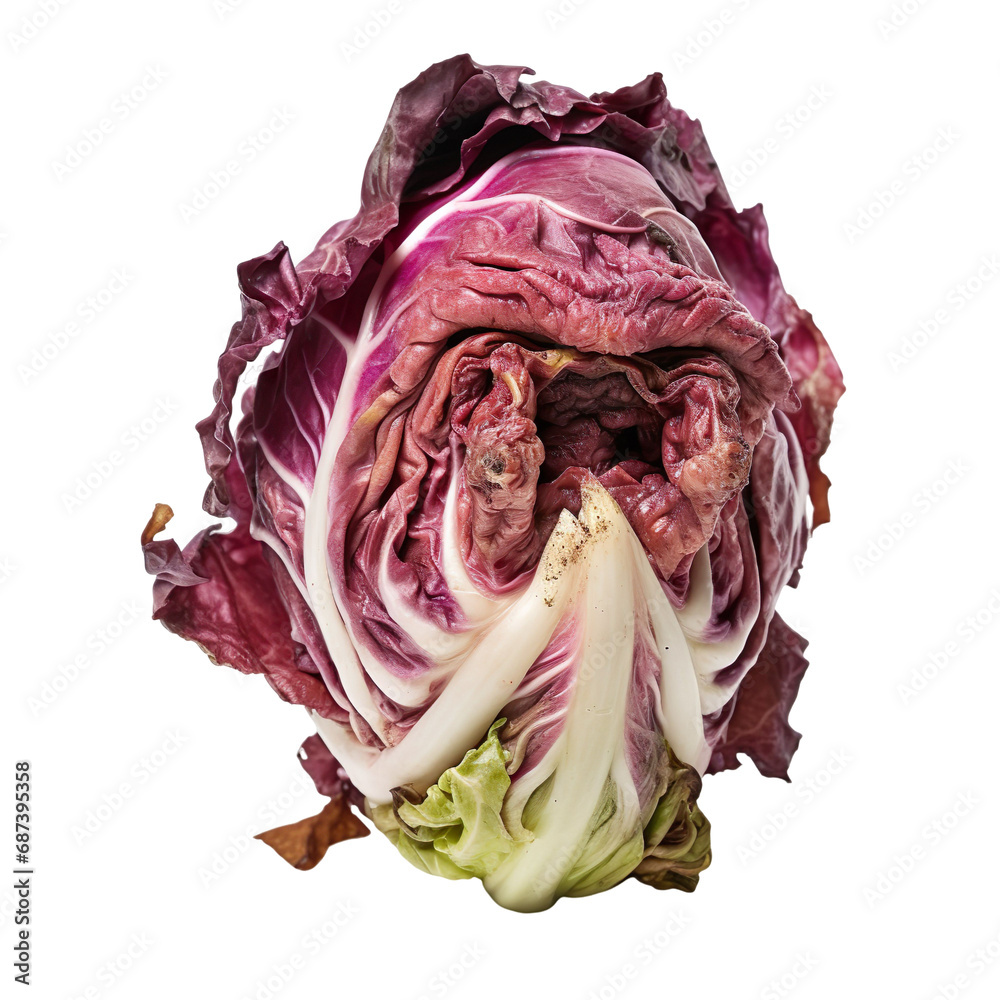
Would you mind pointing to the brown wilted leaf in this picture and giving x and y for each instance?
(304, 843)
(819, 489)
(161, 515)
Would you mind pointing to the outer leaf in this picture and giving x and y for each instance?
(304, 843)
(678, 836)
(759, 723)
(220, 593)
(455, 829)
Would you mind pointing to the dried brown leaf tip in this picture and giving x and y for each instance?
(161, 515)
(819, 488)
(304, 843)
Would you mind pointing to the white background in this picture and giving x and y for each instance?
(822, 908)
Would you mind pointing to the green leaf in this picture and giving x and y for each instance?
(455, 829)
(677, 836)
